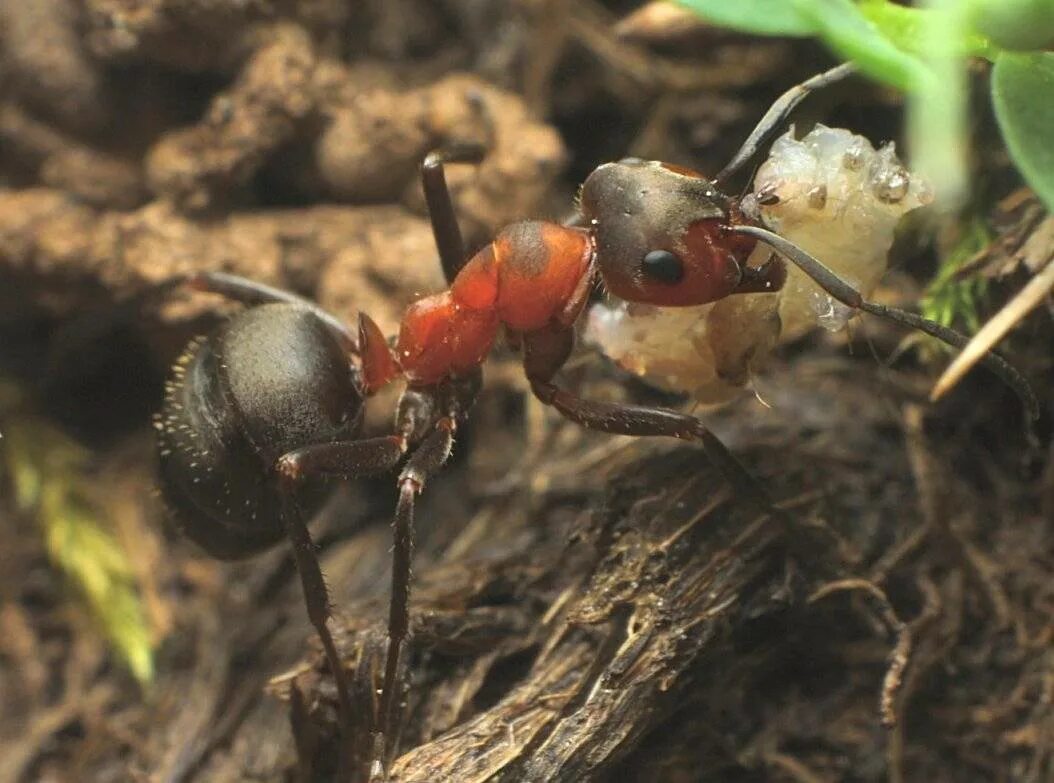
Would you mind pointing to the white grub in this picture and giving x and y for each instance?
(832, 194)
(867, 191)
(710, 350)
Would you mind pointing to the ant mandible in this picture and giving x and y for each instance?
(274, 399)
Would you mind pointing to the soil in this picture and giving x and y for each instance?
(585, 607)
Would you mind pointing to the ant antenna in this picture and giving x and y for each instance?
(849, 296)
(778, 113)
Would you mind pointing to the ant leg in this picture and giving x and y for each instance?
(251, 292)
(445, 227)
(849, 296)
(778, 113)
(546, 351)
(640, 420)
(418, 407)
(344, 458)
(316, 598)
(424, 462)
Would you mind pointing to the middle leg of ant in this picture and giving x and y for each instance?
(342, 458)
(441, 212)
(838, 288)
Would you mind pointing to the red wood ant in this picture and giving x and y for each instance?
(274, 399)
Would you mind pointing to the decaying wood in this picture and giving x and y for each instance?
(661, 582)
(614, 660)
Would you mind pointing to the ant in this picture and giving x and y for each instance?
(258, 411)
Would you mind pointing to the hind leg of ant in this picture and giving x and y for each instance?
(441, 212)
(250, 292)
(347, 458)
(778, 113)
(316, 598)
(849, 296)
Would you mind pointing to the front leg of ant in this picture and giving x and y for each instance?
(546, 351)
(441, 212)
(640, 420)
(343, 458)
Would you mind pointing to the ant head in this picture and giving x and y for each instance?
(660, 233)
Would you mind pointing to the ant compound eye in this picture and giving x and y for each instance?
(663, 266)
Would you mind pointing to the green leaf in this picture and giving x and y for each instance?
(841, 24)
(906, 28)
(1015, 24)
(1023, 96)
(844, 28)
(937, 109)
(760, 17)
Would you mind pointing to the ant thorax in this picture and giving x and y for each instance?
(832, 194)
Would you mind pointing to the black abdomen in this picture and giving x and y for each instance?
(273, 379)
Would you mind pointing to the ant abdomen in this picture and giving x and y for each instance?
(273, 379)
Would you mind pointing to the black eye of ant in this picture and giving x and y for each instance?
(664, 266)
